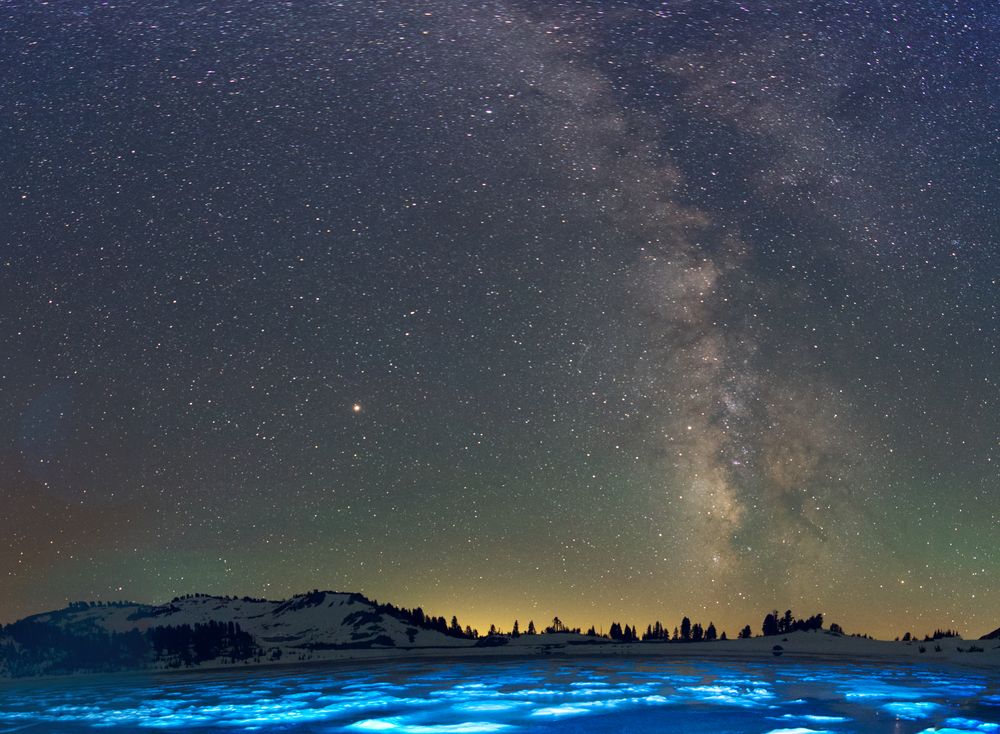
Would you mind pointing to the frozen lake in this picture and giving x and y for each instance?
(521, 696)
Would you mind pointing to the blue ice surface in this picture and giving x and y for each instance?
(816, 718)
(587, 696)
(912, 709)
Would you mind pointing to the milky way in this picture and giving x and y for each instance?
(605, 310)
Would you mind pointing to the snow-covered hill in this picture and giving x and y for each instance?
(85, 637)
(318, 620)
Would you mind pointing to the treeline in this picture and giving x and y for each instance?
(186, 645)
(783, 624)
(936, 635)
(687, 631)
(418, 618)
(223, 597)
(77, 606)
(31, 647)
(657, 632)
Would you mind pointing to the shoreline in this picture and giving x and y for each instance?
(803, 647)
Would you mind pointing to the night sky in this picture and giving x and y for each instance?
(610, 310)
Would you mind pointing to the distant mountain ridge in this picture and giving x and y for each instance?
(994, 635)
(197, 629)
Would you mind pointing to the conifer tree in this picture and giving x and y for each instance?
(770, 626)
(787, 622)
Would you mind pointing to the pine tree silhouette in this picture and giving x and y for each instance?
(770, 626)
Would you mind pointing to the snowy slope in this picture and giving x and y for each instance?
(317, 620)
(303, 627)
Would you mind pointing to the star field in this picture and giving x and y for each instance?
(607, 310)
